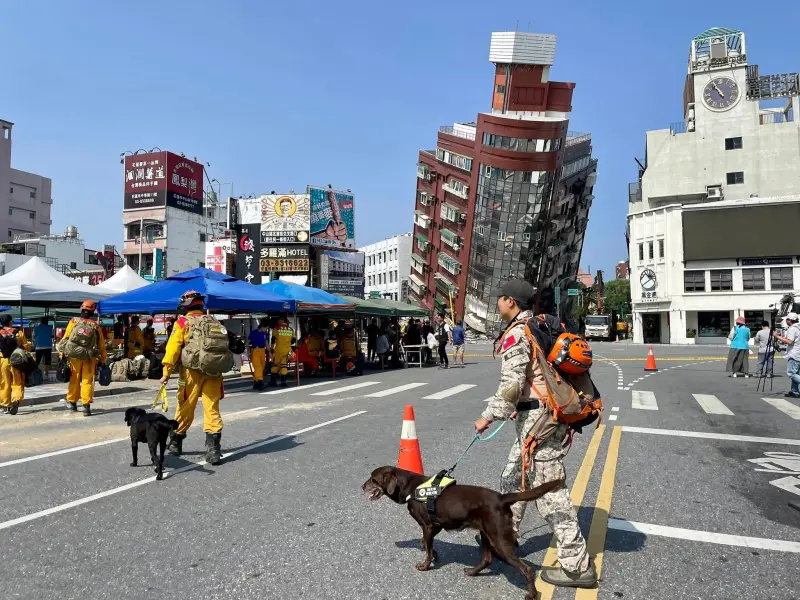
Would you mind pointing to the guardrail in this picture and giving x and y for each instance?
(449, 130)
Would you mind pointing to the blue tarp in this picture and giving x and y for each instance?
(306, 297)
(223, 293)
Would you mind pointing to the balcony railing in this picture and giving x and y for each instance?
(456, 188)
(677, 127)
(575, 137)
(771, 117)
(449, 130)
(635, 191)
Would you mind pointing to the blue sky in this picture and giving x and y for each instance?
(280, 95)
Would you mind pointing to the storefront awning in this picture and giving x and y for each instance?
(449, 235)
(422, 238)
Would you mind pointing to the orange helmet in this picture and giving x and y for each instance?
(571, 354)
(191, 299)
(89, 305)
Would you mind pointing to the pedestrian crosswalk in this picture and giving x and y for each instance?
(367, 389)
(711, 404)
(450, 391)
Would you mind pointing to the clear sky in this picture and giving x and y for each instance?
(278, 95)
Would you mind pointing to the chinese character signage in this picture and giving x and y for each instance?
(248, 250)
(217, 255)
(285, 218)
(341, 272)
(284, 259)
(332, 218)
(158, 179)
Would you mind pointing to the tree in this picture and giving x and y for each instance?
(617, 296)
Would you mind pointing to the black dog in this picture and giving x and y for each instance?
(152, 429)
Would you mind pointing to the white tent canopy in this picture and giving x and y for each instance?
(124, 280)
(35, 283)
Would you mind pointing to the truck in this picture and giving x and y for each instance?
(601, 327)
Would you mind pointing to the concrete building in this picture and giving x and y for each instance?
(25, 198)
(712, 220)
(506, 195)
(622, 270)
(387, 267)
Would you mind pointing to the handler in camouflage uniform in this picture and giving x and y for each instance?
(515, 400)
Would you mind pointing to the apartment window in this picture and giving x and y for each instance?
(32, 215)
(481, 230)
(734, 143)
(10, 211)
(526, 237)
(721, 280)
(780, 278)
(202, 237)
(641, 251)
(501, 89)
(735, 178)
(397, 276)
(73, 265)
(501, 235)
(660, 248)
(694, 281)
(9, 234)
(753, 279)
(384, 257)
(33, 194)
(650, 250)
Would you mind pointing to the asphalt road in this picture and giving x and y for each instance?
(682, 492)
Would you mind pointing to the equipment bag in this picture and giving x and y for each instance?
(104, 375)
(207, 348)
(82, 343)
(8, 342)
(63, 372)
(34, 378)
(19, 360)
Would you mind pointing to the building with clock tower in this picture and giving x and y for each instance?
(714, 218)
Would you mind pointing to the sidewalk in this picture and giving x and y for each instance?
(55, 392)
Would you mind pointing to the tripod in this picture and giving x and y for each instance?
(765, 372)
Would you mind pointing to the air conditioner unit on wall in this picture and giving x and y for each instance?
(714, 192)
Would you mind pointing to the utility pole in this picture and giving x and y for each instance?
(141, 243)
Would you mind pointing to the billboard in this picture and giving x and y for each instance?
(285, 218)
(218, 253)
(332, 218)
(341, 272)
(291, 258)
(248, 250)
(157, 179)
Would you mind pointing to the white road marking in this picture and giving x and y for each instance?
(615, 408)
(19, 461)
(299, 387)
(395, 390)
(167, 474)
(612, 417)
(711, 404)
(712, 436)
(643, 400)
(450, 391)
(346, 388)
(788, 484)
(704, 536)
(786, 407)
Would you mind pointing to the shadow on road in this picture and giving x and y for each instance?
(282, 443)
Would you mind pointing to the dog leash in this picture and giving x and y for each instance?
(162, 397)
(477, 437)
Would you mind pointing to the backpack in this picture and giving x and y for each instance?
(207, 348)
(82, 341)
(34, 378)
(8, 341)
(104, 375)
(19, 359)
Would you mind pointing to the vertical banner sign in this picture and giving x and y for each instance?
(332, 218)
(248, 252)
(158, 264)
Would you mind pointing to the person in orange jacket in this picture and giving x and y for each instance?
(83, 344)
(12, 381)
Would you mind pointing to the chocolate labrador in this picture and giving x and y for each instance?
(460, 507)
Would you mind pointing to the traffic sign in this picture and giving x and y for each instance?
(557, 295)
(573, 292)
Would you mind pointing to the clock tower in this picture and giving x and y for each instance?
(716, 82)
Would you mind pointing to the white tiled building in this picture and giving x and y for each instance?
(387, 267)
(713, 222)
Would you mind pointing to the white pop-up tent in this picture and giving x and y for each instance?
(124, 280)
(35, 283)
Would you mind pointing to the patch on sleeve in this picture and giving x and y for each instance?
(181, 322)
(508, 342)
(513, 353)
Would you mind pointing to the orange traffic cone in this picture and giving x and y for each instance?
(650, 365)
(410, 457)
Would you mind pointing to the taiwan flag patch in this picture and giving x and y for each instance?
(508, 342)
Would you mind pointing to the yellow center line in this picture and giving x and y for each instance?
(578, 492)
(597, 532)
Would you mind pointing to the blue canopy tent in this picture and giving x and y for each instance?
(308, 299)
(223, 293)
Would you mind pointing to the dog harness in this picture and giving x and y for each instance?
(429, 491)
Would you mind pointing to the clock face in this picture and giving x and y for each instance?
(721, 93)
(648, 280)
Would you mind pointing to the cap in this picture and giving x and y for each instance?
(792, 316)
(740, 320)
(520, 290)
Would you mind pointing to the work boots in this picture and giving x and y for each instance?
(214, 448)
(87, 410)
(283, 381)
(175, 446)
(562, 578)
(12, 410)
(273, 380)
(71, 406)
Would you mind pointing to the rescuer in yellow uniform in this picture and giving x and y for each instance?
(282, 341)
(83, 344)
(135, 339)
(257, 346)
(12, 381)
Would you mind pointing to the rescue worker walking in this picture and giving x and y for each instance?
(83, 344)
(12, 380)
(135, 339)
(282, 341)
(199, 344)
(514, 399)
(257, 349)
